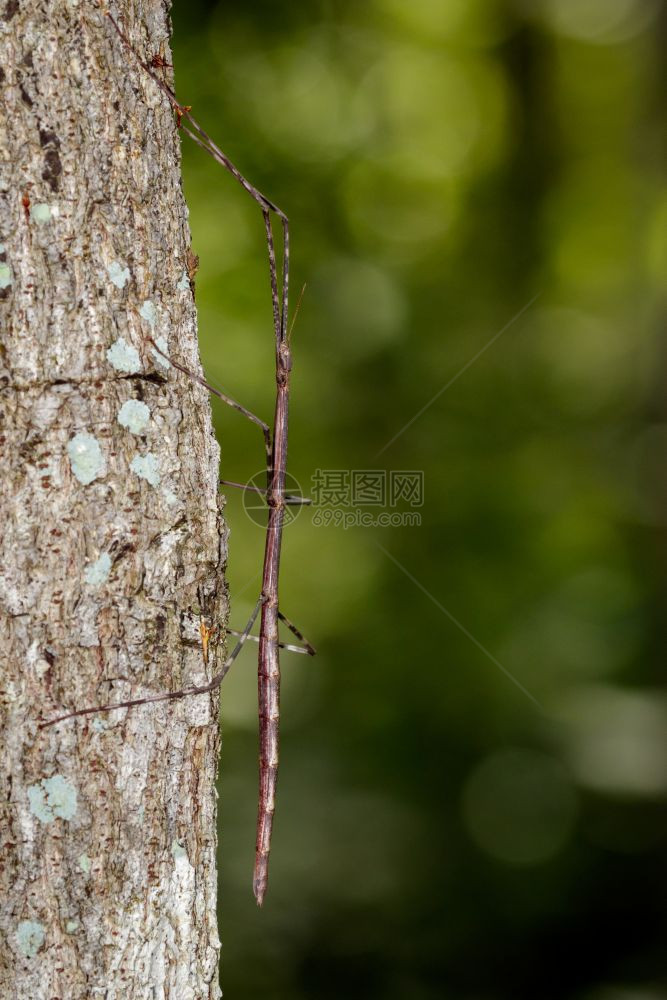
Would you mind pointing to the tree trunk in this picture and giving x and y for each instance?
(112, 544)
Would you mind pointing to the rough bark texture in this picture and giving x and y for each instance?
(111, 545)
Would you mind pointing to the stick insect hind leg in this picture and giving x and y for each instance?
(211, 685)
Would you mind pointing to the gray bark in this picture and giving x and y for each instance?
(112, 543)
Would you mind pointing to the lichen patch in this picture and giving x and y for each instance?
(98, 572)
(148, 313)
(134, 415)
(41, 213)
(123, 356)
(178, 851)
(30, 937)
(147, 467)
(117, 274)
(85, 456)
(159, 359)
(52, 798)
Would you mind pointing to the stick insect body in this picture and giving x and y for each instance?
(276, 499)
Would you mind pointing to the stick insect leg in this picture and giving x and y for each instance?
(169, 695)
(265, 429)
(199, 135)
(291, 499)
(307, 649)
(307, 646)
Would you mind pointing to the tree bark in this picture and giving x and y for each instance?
(112, 543)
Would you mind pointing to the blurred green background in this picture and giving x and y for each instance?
(474, 769)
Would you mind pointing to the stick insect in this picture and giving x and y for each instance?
(276, 462)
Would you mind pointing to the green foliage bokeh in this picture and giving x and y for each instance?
(472, 794)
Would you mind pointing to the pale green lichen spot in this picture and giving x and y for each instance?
(84, 863)
(178, 850)
(123, 356)
(148, 313)
(164, 347)
(38, 804)
(61, 796)
(85, 456)
(30, 937)
(170, 497)
(98, 572)
(147, 467)
(184, 282)
(5, 275)
(53, 798)
(41, 213)
(71, 926)
(134, 415)
(119, 275)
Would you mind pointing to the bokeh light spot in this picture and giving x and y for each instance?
(519, 806)
(616, 740)
(597, 20)
(300, 100)
(363, 306)
(469, 21)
